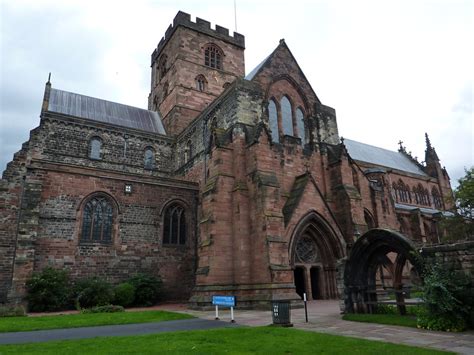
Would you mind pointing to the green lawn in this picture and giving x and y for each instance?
(262, 340)
(392, 319)
(16, 324)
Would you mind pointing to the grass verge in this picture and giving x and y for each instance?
(391, 319)
(18, 324)
(262, 340)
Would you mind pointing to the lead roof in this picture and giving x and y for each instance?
(95, 109)
(381, 157)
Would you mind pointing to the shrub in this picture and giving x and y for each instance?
(104, 309)
(447, 322)
(48, 290)
(124, 294)
(92, 292)
(386, 309)
(147, 289)
(448, 300)
(12, 311)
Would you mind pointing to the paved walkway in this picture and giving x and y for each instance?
(38, 336)
(324, 317)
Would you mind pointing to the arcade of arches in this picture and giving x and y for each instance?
(380, 260)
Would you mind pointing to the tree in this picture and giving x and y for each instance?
(461, 225)
(464, 195)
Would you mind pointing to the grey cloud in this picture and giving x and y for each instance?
(33, 43)
(465, 103)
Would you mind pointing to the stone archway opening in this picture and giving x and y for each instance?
(380, 260)
(313, 253)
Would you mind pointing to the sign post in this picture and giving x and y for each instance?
(225, 301)
(305, 307)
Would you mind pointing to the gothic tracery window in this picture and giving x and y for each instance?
(401, 192)
(438, 203)
(421, 195)
(174, 225)
(97, 220)
(306, 250)
(213, 57)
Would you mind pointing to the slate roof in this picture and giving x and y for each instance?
(255, 70)
(381, 157)
(425, 210)
(94, 109)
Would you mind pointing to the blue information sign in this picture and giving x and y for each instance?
(227, 301)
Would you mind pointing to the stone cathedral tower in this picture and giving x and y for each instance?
(183, 82)
(226, 185)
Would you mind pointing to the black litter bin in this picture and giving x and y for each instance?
(281, 313)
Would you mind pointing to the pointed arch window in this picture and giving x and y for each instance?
(438, 203)
(369, 220)
(174, 225)
(401, 191)
(97, 220)
(201, 83)
(300, 125)
(421, 195)
(273, 121)
(188, 153)
(95, 148)
(149, 158)
(162, 67)
(286, 116)
(213, 56)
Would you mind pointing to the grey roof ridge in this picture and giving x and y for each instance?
(255, 70)
(417, 170)
(113, 102)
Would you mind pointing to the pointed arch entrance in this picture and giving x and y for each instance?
(314, 250)
(376, 249)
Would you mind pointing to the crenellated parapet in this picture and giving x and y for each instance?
(203, 26)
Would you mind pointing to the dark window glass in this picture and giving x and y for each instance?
(149, 160)
(95, 148)
(300, 125)
(273, 121)
(402, 192)
(436, 198)
(200, 83)
(162, 67)
(286, 116)
(189, 151)
(174, 228)
(213, 57)
(97, 220)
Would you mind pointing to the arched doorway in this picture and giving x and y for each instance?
(314, 250)
(377, 254)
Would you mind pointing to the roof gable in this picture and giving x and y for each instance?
(281, 63)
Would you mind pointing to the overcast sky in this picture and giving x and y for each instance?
(392, 69)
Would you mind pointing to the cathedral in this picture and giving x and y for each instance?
(228, 184)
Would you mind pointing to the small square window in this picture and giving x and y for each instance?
(128, 188)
